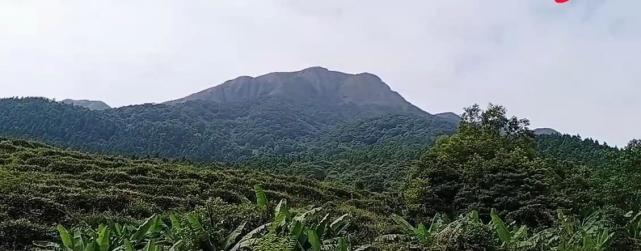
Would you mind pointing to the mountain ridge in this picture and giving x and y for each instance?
(307, 114)
(89, 104)
(311, 85)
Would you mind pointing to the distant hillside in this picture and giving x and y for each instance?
(574, 148)
(449, 116)
(89, 104)
(293, 119)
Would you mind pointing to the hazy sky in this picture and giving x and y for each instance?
(574, 67)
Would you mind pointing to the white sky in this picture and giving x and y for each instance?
(573, 67)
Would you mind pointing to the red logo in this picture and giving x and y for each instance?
(561, 1)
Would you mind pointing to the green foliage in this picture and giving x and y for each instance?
(490, 186)
(423, 235)
(468, 232)
(37, 196)
(302, 231)
(259, 133)
(516, 239)
(261, 198)
(490, 163)
(182, 233)
(634, 225)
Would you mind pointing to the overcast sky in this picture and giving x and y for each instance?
(574, 67)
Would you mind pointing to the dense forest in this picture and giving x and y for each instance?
(490, 184)
(274, 134)
(211, 131)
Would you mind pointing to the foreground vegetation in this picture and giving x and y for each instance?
(41, 187)
(490, 186)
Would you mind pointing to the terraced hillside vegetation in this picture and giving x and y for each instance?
(42, 186)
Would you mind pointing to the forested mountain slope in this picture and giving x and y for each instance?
(205, 131)
(296, 119)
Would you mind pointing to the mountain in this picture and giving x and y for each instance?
(546, 131)
(314, 85)
(89, 104)
(449, 116)
(314, 122)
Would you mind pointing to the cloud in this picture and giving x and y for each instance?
(571, 66)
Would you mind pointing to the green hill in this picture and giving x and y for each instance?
(283, 114)
(42, 186)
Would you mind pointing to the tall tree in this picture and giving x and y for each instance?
(489, 163)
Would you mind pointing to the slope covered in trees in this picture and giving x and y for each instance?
(489, 186)
(312, 112)
(262, 131)
(207, 131)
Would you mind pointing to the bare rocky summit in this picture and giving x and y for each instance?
(316, 84)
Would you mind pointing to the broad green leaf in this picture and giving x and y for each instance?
(118, 229)
(302, 217)
(231, 238)
(127, 246)
(400, 221)
(501, 229)
(342, 244)
(281, 214)
(151, 246)
(177, 246)
(520, 233)
(103, 238)
(322, 225)
(195, 224)
(363, 248)
(261, 198)
(155, 226)
(249, 237)
(296, 229)
(338, 224)
(282, 208)
(143, 229)
(474, 216)
(435, 225)
(314, 240)
(176, 226)
(421, 232)
(91, 246)
(78, 241)
(65, 237)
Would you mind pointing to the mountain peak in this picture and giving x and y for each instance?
(546, 131)
(315, 84)
(449, 116)
(89, 104)
(315, 69)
